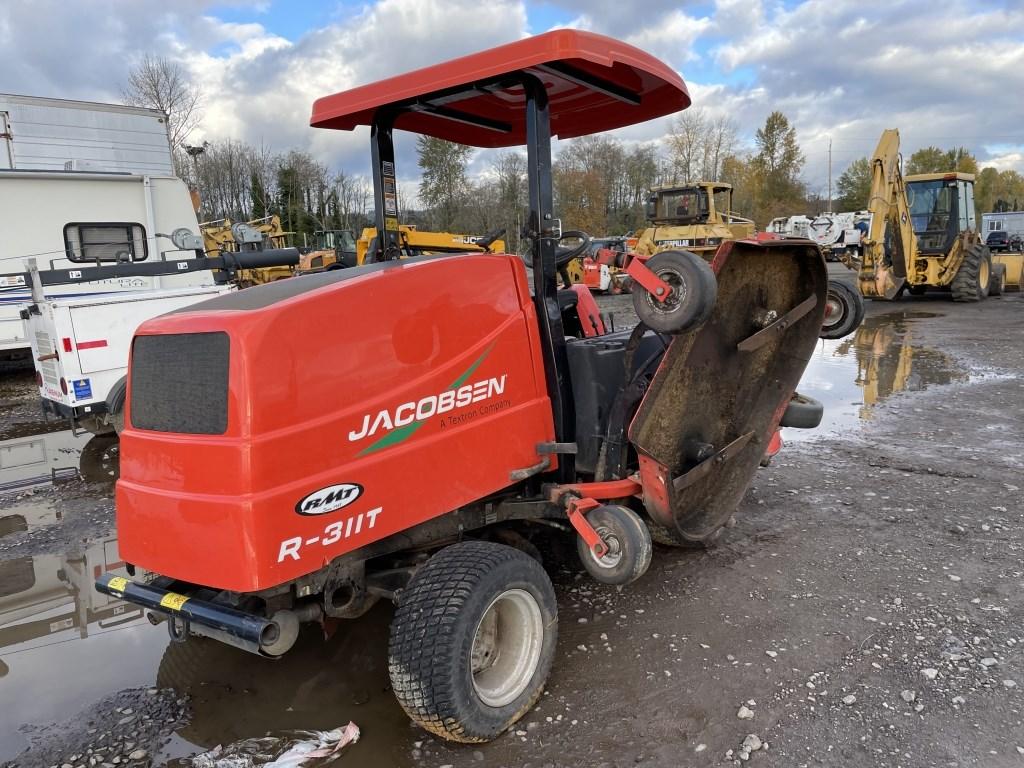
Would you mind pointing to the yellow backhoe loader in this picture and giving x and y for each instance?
(923, 233)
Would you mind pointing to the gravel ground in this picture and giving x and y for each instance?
(866, 608)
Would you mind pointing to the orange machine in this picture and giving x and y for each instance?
(451, 410)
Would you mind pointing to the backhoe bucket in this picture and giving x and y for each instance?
(717, 397)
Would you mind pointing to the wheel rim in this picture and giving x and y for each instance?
(833, 311)
(983, 274)
(676, 296)
(613, 556)
(506, 647)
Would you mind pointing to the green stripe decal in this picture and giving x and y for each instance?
(401, 434)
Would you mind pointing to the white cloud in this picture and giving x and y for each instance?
(944, 73)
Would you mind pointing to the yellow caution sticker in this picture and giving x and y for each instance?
(117, 584)
(173, 601)
(390, 223)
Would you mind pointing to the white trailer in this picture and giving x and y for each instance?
(57, 134)
(69, 220)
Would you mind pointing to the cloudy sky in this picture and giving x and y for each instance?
(944, 72)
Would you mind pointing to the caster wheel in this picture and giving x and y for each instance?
(694, 290)
(628, 542)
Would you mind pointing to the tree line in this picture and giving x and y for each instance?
(600, 183)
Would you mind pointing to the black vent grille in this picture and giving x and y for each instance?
(179, 383)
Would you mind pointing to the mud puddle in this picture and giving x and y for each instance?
(64, 646)
(883, 357)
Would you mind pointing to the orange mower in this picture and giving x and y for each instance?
(450, 411)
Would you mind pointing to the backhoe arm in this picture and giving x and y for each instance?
(890, 248)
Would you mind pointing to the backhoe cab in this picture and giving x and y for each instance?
(455, 410)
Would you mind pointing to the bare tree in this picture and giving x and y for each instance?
(159, 83)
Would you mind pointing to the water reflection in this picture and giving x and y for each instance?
(853, 375)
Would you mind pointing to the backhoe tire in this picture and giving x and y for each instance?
(997, 284)
(844, 311)
(972, 279)
(628, 541)
(472, 640)
(694, 290)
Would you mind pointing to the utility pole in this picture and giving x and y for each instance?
(830, 175)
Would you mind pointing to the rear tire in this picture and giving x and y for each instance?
(694, 290)
(972, 279)
(628, 541)
(844, 311)
(472, 640)
(997, 284)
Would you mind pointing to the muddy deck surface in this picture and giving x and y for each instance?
(866, 609)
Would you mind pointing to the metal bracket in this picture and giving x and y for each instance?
(521, 474)
(577, 509)
(705, 467)
(546, 448)
(779, 327)
(649, 281)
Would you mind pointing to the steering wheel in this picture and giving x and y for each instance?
(564, 255)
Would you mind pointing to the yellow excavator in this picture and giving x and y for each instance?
(697, 217)
(923, 233)
(414, 242)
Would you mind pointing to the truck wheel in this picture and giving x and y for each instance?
(694, 290)
(472, 640)
(997, 284)
(844, 311)
(100, 460)
(972, 279)
(629, 545)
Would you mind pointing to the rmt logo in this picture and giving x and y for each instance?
(329, 499)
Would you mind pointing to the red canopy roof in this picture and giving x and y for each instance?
(594, 84)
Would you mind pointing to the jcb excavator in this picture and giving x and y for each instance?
(415, 242)
(923, 233)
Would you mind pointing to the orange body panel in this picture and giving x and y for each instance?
(421, 384)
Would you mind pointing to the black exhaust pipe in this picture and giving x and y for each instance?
(220, 622)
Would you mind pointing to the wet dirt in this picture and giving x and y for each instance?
(888, 546)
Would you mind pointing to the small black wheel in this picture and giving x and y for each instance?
(802, 412)
(472, 640)
(694, 290)
(997, 284)
(844, 311)
(628, 541)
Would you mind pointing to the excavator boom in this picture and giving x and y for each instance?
(890, 247)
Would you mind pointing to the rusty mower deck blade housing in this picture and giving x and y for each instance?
(720, 391)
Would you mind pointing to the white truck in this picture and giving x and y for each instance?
(78, 139)
(115, 267)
